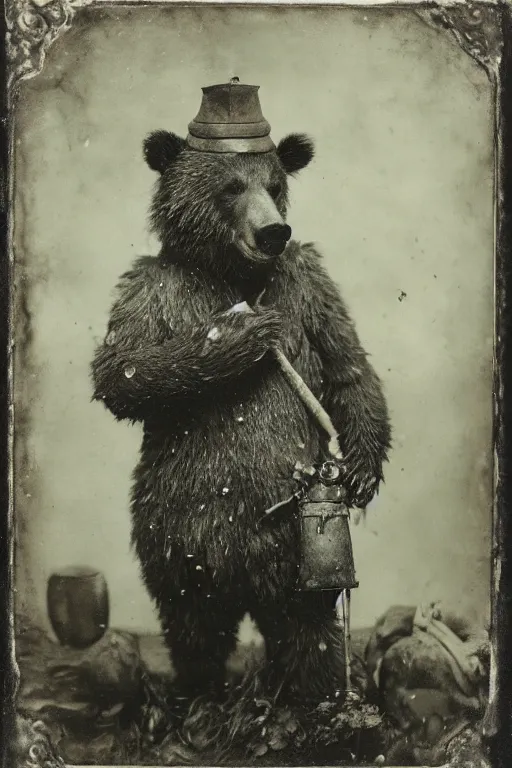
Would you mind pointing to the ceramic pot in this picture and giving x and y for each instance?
(78, 606)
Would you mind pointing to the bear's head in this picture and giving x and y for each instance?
(223, 209)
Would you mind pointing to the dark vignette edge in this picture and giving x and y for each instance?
(7, 671)
(500, 730)
(501, 596)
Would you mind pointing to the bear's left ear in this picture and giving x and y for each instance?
(161, 148)
(295, 152)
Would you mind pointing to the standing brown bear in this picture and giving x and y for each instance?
(223, 430)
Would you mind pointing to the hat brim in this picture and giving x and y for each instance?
(242, 145)
(229, 130)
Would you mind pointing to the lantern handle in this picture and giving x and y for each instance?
(311, 402)
(301, 388)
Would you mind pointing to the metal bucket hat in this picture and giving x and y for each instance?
(230, 120)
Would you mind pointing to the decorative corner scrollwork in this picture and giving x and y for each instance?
(476, 27)
(32, 27)
(33, 746)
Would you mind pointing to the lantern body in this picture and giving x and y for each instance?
(327, 560)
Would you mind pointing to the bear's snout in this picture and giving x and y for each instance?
(271, 240)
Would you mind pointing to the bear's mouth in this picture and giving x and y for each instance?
(251, 253)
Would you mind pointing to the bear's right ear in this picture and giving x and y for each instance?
(161, 148)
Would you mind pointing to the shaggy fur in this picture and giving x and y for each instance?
(222, 428)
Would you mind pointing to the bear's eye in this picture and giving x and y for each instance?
(235, 187)
(275, 190)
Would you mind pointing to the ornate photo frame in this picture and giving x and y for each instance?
(483, 30)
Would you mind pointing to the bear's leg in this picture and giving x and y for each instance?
(201, 636)
(305, 645)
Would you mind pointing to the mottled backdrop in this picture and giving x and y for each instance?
(400, 200)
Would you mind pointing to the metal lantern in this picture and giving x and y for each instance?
(327, 560)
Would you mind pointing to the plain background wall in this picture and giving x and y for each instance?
(399, 198)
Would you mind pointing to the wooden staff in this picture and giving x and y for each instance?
(324, 420)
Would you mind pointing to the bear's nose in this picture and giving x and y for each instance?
(272, 239)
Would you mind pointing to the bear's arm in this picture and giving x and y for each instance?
(138, 369)
(352, 392)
